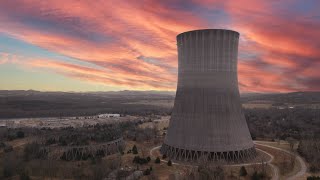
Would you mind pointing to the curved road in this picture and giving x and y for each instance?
(303, 166)
(275, 168)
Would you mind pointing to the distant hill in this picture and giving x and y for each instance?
(30, 103)
(4, 93)
(293, 97)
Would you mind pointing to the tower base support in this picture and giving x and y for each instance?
(198, 156)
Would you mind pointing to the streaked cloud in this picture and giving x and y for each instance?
(132, 43)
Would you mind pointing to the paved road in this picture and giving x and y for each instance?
(275, 169)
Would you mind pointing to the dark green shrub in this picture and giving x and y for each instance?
(314, 168)
(164, 156)
(50, 141)
(157, 161)
(11, 137)
(20, 134)
(313, 178)
(146, 172)
(257, 176)
(24, 176)
(139, 160)
(243, 171)
(148, 159)
(134, 149)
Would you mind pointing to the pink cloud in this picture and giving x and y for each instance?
(281, 51)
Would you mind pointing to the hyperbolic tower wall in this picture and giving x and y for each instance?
(207, 119)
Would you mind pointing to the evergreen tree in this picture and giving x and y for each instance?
(164, 156)
(243, 171)
(134, 149)
(157, 161)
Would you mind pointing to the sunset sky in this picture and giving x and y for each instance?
(103, 45)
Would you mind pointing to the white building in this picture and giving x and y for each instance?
(108, 115)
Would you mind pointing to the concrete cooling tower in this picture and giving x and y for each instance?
(207, 119)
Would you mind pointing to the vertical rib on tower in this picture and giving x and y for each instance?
(207, 119)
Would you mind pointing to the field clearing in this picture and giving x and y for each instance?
(257, 105)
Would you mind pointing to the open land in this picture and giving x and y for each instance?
(37, 145)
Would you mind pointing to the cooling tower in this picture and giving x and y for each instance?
(207, 119)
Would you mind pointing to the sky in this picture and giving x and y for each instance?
(111, 45)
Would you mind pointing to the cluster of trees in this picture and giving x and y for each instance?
(258, 175)
(313, 178)
(55, 104)
(164, 156)
(208, 171)
(205, 171)
(310, 150)
(141, 134)
(13, 164)
(6, 147)
(147, 171)
(35, 156)
(283, 123)
(157, 161)
(13, 134)
(83, 136)
(34, 151)
(133, 150)
(141, 160)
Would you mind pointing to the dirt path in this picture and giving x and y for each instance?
(303, 165)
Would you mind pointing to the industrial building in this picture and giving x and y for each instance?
(207, 121)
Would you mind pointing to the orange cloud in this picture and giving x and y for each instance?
(133, 43)
(100, 76)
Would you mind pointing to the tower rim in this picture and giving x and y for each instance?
(212, 30)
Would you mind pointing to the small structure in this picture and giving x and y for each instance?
(107, 115)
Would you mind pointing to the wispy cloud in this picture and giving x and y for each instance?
(133, 42)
